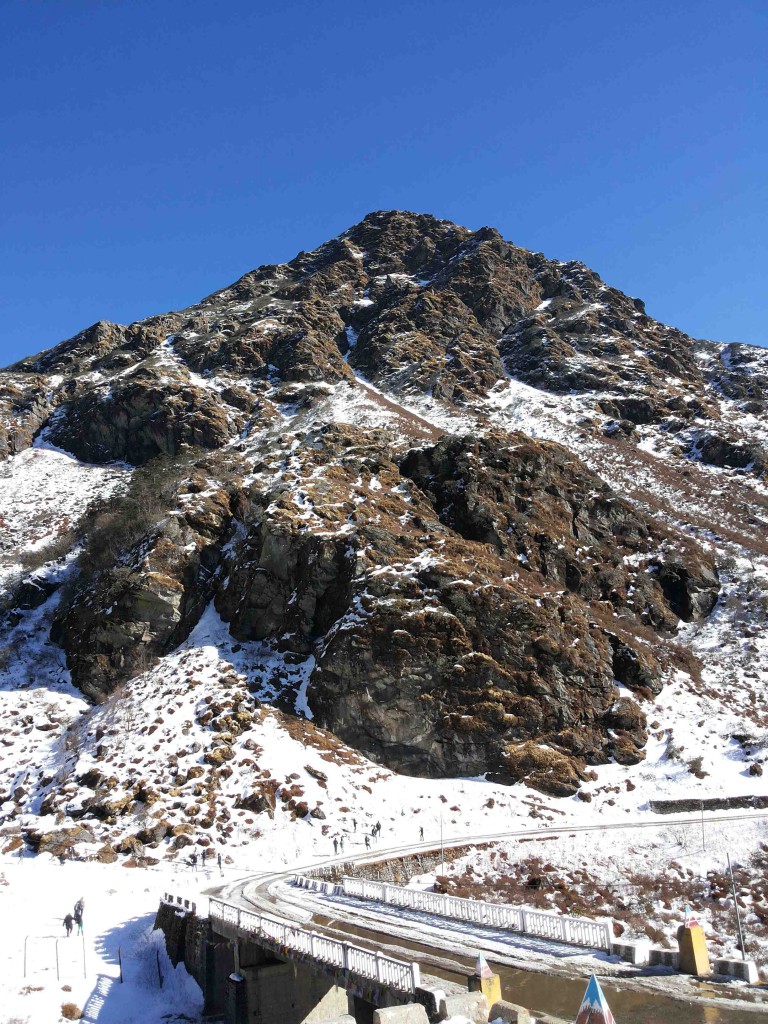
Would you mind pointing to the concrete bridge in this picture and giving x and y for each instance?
(339, 977)
(257, 968)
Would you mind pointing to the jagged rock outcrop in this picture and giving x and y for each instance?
(539, 505)
(25, 404)
(284, 583)
(103, 346)
(148, 412)
(467, 647)
(431, 586)
(298, 340)
(121, 618)
(419, 305)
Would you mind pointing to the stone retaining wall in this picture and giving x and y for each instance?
(714, 803)
(396, 869)
(189, 940)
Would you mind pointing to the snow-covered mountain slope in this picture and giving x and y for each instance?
(415, 508)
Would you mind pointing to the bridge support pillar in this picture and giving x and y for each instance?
(236, 1010)
(285, 993)
(217, 961)
(364, 1010)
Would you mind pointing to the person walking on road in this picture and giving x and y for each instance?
(367, 843)
(68, 924)
(335, 845)
(218, 861)
(421, 832)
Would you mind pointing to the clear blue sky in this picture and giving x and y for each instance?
(154, 150)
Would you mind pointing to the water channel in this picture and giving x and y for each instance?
(561, 996)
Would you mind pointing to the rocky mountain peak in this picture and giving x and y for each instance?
(464, 504)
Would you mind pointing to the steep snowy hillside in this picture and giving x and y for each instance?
(418, 502)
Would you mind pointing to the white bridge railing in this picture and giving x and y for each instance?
(576, 931)
(179, 901)
(397, 974)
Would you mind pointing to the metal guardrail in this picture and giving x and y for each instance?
(577, 931)
(397, 974)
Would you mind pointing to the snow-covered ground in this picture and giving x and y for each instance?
(120, 907)
(43, 493)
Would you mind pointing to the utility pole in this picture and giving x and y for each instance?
(442, 851)
(703, 843)
(736, 906)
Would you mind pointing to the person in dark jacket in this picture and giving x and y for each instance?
(68, 924)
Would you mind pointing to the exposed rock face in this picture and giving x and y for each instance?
(469, 648)
(538, 504)
(299, 340)
(283, 583)
(116, 624)
(470, 600)
(417, 305)
(25, 404)
(738, 371)
(59, 842)
(734, 452)
(144, 414)
(102, 347)
(430, 588)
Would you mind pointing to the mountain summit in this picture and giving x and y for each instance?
(469, 509)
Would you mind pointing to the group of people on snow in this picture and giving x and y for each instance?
(203, 856)
(338, 841)
(76, 918)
